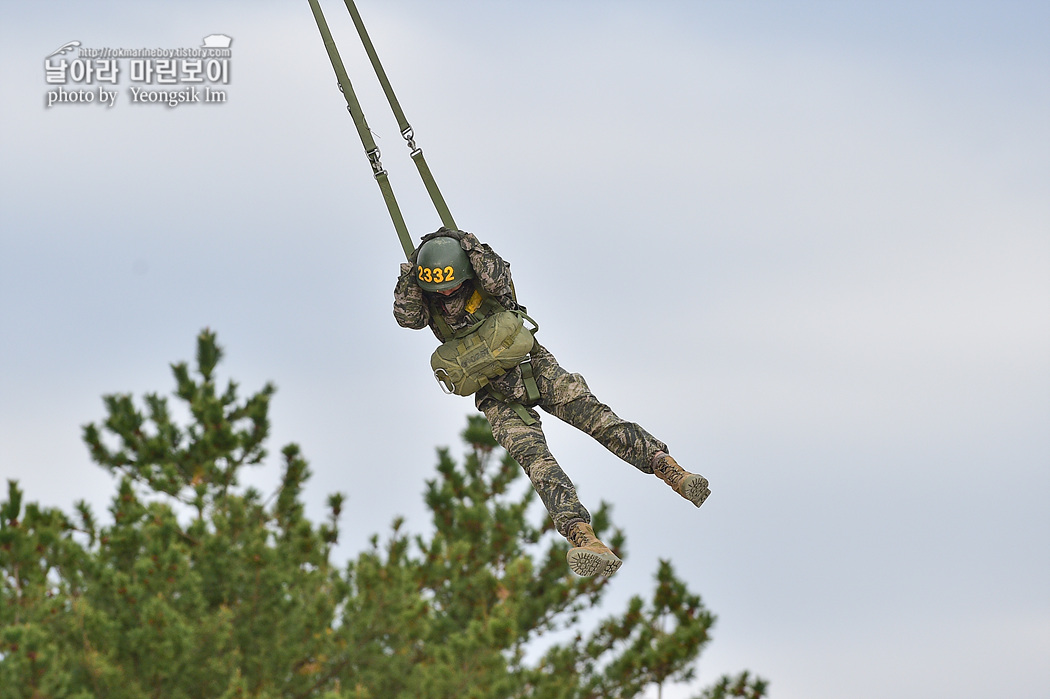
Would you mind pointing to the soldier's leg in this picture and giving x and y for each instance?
(567, 397)
(527, 445)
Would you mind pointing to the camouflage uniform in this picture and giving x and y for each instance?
(564, 395)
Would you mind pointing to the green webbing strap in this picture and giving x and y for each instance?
(402, 122)
(529, 379)
(354, 107)
(513, 405)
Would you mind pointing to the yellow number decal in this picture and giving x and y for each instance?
(437, 274)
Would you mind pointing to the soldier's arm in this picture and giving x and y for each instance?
(410, 308)
(491, 271)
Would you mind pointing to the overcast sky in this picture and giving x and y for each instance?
(807, 244)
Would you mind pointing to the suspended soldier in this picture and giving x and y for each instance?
(462, 290)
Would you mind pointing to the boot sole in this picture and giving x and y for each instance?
(695, 490)
(587, 563)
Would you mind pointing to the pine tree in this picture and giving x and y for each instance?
(198, 587)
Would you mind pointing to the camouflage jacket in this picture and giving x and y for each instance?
(412, 307)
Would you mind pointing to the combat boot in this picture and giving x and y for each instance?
(689, 485)
(589, 555)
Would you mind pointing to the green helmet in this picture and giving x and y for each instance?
(442, 264)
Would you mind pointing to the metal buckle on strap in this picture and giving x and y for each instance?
(374, 159)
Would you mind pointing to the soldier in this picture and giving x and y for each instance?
(445, 285)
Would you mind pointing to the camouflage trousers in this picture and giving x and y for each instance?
(567, 397)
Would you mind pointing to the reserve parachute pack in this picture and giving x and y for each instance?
(469, 359)
(492, 348)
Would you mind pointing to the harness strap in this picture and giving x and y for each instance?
(532, 391)
(516, 406)
(489, 306)
(402, 121)
(371, 150)
(354, 107)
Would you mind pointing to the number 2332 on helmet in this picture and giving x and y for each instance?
(442, 264)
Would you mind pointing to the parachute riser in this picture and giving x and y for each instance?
(402, 121)
(371, 150)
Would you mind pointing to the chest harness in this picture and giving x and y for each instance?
(495, 341)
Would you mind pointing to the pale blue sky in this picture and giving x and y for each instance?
(805, 243)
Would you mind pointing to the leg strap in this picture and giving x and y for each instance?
(514, 405)
(529, 379)
(532, 393)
